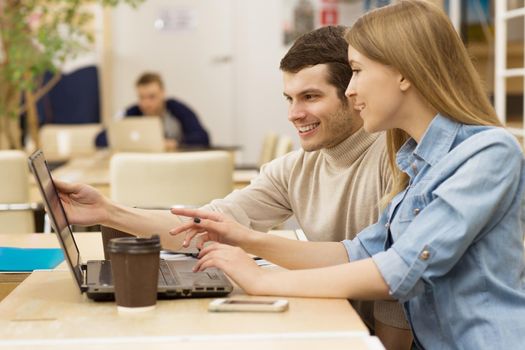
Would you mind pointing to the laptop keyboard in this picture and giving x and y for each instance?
(166, 275)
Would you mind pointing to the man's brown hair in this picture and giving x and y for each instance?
(325, 45)
(148, 78)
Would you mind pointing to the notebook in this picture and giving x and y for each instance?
(176, 278)
(136, 134)
(29, 259)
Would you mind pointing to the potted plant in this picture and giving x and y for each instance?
(38, 36)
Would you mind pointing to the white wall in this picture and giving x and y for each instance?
(259, 103)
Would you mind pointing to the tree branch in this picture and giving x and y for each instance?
(43, 90)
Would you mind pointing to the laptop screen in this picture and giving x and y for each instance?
(56, 212)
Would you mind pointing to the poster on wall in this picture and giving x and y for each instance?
(178, 19)
(303, 16)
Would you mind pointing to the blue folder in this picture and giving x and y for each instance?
(29, 259)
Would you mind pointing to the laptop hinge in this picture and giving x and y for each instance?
(84, 286)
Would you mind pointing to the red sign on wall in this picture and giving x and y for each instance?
(329, 12)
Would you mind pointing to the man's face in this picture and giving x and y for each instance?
(151, 99)
(322, 120)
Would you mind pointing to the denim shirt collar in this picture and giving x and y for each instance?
(434, 145)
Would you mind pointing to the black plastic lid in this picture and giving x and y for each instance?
(134, 245)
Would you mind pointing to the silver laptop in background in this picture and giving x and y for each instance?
(176, 279)
(136, 134)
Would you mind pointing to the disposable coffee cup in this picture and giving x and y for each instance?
(109, 233)
(135, 269)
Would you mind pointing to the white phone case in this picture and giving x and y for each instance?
(248, 305)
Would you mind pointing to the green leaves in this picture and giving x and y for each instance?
(40, 35)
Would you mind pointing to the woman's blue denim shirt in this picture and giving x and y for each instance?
(450, 247)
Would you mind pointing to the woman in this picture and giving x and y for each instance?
(449, 243)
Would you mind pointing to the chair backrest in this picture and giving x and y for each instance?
(268, 148)
(14, 193)
(63, 141)
(162, 180)
(284, 145)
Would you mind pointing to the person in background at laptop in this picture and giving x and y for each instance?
(181, 126)
(333, 185)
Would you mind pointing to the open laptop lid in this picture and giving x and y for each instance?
(57, 214)
(136, 134)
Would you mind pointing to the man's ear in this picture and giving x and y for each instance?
(404, 84)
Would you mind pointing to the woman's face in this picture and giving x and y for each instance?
(376, 91)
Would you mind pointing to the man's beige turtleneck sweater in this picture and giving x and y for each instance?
(334, 193)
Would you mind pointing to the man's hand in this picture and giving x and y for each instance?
(210, 226)
(83, 204)
(170, 145)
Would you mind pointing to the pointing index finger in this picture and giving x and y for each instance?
(197, 213)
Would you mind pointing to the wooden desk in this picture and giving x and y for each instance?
(89, 244)
(94, 171)
(48, 309)
(332, 341)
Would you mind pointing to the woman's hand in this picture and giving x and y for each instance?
(234, 261)
(211, 226)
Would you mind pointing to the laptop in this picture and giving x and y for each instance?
(176, 279)
(136, 134)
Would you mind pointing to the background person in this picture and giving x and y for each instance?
(181, 125)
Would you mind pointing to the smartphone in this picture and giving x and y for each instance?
(248, 305)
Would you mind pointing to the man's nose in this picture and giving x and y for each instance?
(296, 112)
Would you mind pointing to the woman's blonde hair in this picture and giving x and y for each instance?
(417, 39)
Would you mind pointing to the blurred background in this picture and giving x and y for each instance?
(220, 57)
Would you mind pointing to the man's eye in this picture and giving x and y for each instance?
(355, 71)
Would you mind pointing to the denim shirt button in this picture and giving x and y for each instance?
(387, 225)
(425, 254)
(416, 211)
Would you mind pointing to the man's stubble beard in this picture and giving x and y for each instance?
(340, 127)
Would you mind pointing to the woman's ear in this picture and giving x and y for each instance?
(404, 84)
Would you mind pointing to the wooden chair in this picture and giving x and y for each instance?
(284, 145)
(268, 148)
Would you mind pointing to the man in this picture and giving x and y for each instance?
(332, 185)
(181, 125)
